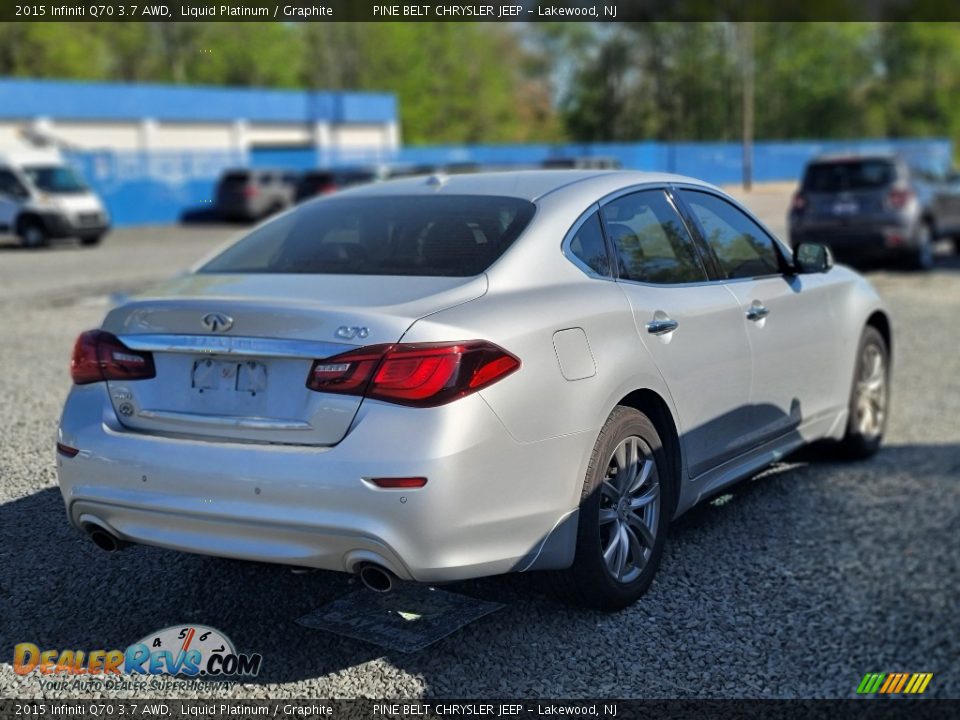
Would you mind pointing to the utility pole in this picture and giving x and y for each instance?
(747, 69)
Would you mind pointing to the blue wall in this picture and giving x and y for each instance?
(161, 187)
(20, 98)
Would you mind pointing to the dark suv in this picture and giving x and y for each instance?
(871, 207)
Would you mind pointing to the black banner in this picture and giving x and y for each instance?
(868, 709)
(474, 10)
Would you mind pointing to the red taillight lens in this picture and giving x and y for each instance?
(326, 188)
(251, 191)
(799, 202)
(98, 356)
(898, 199)
(399, 482)
(421, 375)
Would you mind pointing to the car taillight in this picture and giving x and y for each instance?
(799, 202)
(326, 188)
(417, 374)
(98, 356)
(898, 199)
(250, 191)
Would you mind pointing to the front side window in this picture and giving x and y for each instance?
(55, 179)
(445, 236)
(650, 241)
(742, 247)
(589, 247)
(10, 186)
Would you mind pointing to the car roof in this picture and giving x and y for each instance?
(854, 157)
(526, 184)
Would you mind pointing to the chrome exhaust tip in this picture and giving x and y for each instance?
(377, 578)
(104, 540)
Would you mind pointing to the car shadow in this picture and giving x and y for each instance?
(58, 590)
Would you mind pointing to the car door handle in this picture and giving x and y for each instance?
(757, 312)
(662, 327)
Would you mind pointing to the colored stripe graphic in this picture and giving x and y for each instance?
(894, 683)
(891, 681)
(870, 683)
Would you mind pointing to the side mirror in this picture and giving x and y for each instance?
(812, 258)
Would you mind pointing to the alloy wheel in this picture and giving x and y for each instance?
(629, 509)
(871, 392)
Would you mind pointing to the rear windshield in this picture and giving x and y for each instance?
(849, 175)
(451, 236)
(235, 178)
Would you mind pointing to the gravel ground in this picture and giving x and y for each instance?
(795, 584)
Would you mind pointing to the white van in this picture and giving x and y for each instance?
(42, 197)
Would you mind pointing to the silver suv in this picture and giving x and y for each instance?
(254, 194)
(873, 207)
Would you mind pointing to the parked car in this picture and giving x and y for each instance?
(325, 182)
(253, 194)
(438, 380)
(585, 162)
(42, 198)
(873, 207)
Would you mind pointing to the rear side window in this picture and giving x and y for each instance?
(452, 236)
(589, 247)
(849, 175)
(235, 178)
(742, 247)
(650, 241)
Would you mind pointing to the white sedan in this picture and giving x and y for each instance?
(450, 377)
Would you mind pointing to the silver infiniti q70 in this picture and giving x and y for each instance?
(449, 377)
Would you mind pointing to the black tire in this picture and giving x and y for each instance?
(32, 233)
(858, 443)
(921, 256)
(91, 240)
(956, 244)
(589, 582)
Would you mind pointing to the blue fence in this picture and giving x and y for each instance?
(164, 187)
(83, 100)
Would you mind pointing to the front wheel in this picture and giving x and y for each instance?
(623, 515)
(32, 233)
(869, 397)
(91, 240)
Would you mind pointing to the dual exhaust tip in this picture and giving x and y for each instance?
(103, 539)
(375, 578)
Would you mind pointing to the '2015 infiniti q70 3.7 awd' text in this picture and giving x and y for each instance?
(450, 377)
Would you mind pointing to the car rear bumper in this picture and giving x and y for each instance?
(490, 505)
(237, 209)
(859, 241)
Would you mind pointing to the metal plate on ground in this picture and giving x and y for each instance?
(407, 620)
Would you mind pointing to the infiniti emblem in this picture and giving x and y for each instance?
(217, 322)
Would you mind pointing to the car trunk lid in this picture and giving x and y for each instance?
(233, 352)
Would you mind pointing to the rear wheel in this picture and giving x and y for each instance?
(91, 240)
(623, 515)
(32, 233)
(869, 397)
